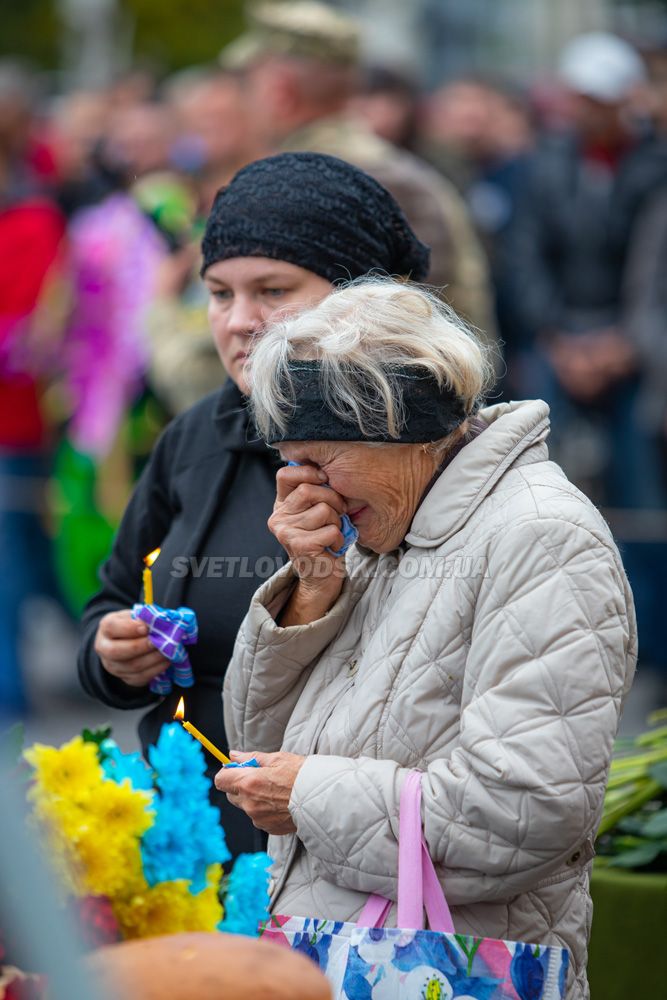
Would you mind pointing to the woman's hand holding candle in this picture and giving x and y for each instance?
(264, 792)
(125, 651)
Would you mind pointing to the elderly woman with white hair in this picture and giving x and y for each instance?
(481, 630)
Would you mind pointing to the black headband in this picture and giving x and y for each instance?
(429, 411)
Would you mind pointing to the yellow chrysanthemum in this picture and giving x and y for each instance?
(69, 771)
(69, 817)
(98, 866)
(120, 809)
(160, 909)
(92, 828)
(90, 825)
(169, 908)
(205, 911)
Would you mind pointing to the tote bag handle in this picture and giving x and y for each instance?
(418, 884)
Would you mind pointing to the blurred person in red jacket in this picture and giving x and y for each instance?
(31, 234)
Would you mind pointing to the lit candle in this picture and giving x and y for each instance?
(148, 575)
(179, 715)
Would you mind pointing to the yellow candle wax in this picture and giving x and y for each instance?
(204, 742)
(148, 586)
(148, 575)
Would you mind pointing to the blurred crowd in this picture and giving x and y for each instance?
(545, 205)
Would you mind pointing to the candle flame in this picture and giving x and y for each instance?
(179, 714)
(151, 557)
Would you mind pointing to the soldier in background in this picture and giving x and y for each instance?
(300, 62)
(215, 138)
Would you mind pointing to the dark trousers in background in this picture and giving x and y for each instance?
(26, 568)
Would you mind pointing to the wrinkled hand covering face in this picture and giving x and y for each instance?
(170, 630)
(347, 529)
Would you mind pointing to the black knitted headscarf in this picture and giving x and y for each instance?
(315, 211)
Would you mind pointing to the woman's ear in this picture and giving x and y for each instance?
(285, 92)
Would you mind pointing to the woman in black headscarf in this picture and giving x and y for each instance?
(280, 235)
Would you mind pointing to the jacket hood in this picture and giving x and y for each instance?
(515, 433)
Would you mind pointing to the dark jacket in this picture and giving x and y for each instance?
(568, 244)
(204, 498)
(645, 294)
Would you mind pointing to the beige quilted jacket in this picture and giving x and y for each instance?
(492, 652)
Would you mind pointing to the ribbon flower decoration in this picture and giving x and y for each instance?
(170, 630)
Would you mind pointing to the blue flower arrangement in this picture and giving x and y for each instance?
(121, 766)
(186, 835)
(247, 896)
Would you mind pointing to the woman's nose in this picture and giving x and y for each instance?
(244, 318)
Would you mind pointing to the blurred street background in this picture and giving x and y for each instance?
(543, 121)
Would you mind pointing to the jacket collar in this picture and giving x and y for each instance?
(233, 423)
(515, 433)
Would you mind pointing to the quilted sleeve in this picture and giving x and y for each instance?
(270, 665)
(550, 660)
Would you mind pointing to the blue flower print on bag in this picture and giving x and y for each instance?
(393, 964)
(440, 953)
(373, 974)
(528, 970)
(315, 940)
(357, 985)
(426, 948)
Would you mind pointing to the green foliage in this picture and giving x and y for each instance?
(101, 738)
(30, 30)
(656, 825)
(179, 33)
(97, 736)
(169, 34)
(82, 535)
(659, 773)
(639, 856)
(633, 831)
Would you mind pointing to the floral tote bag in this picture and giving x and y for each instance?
(367, 961)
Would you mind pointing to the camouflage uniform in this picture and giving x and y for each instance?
(303, 28)
(435, 210)
(185, 365)
(433, 207)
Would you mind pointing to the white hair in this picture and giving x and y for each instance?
(364, 329)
